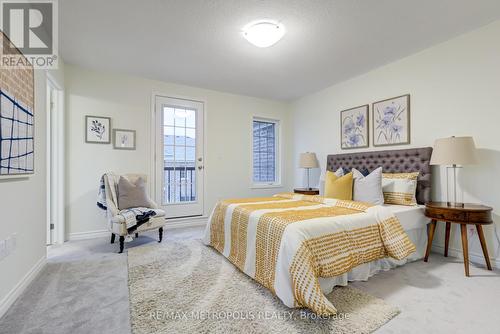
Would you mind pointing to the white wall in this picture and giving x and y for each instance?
(127, 100)
(23, 208)
(455, 89)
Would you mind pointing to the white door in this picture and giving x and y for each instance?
(179, 167)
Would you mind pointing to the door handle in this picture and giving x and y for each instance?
(200, 167)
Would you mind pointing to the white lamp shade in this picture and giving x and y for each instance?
(454, 151)
(308, 160)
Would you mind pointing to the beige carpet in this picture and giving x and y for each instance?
(185, 287)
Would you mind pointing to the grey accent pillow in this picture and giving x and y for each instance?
(368, 188)
(133, 195)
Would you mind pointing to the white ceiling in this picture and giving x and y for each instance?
(198, 42)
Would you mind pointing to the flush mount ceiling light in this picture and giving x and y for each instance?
(263, 33)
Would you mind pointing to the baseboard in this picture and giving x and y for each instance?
(89, 235)
(169, 225)
(11, 297)
(186, 222)
(473, 256)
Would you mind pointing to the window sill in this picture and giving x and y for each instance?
(264, 186)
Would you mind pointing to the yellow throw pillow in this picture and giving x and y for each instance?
(338, 187)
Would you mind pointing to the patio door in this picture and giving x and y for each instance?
(179, 166)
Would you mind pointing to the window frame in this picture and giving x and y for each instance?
(277, 158)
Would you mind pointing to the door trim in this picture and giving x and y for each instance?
(154, 184)
(57, 164)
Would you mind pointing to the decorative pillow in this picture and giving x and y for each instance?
(368, 188)
(400, 188)
(338, 187)
(363, 171)
(132, 195)
(340, 172)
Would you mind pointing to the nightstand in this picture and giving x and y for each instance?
(473, 214)
(306, 191)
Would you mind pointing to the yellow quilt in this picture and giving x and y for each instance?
(287, 242)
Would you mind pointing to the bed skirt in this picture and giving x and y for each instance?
(363, 272)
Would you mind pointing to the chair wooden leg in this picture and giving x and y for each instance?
(112, 238)
(432, 228)
(122, 243)
(447, 238)
(465, 248)
(137, 235)
(160, 234)
(483, 246)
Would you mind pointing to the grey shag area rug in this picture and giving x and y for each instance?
(186, 287)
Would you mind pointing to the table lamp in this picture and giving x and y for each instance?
(454, 152)
(308, 160)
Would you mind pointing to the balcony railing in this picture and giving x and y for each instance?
(180, 184)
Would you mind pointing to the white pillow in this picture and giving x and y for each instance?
(368, 188)
(338, 173)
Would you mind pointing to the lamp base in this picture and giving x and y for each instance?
(454, 194)
(308, 186)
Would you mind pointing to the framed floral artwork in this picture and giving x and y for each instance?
(97, 129)
(391, 121)
(354, 127)
(124, 139)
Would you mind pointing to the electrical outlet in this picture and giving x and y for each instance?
(3, 249)
(11, 243)
(8, 246)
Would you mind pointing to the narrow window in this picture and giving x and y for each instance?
(265, 152)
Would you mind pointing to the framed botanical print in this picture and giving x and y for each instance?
(124, 139)
(391, 121)
(97, 129)
(354, 127)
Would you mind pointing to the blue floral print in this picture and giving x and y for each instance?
(388, 123)
(354, 128)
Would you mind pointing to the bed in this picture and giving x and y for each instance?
(300, 247)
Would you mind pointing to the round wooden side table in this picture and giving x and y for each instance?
(306, 191)
(474, 214)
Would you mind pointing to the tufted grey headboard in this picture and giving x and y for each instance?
(392, 161)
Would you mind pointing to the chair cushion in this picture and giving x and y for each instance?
(119, 219)
(133, 195)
